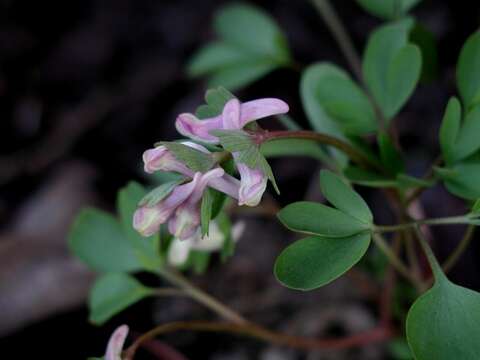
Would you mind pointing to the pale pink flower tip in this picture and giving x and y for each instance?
(115, 343)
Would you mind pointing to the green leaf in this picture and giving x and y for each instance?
(100, 241)
(113, 293)
(250, 46)
(387, 9)
(391, 66)
(196, 160)
(463, 179)
(391, 157)
(239, 76)
(343, 197)
(145, 248)
(467, 141)
(159, 193)
(215, 56)
(253, 30)
(402, 78)
(318, 219)
(444, 323)
(316, 261)
(468, 77)
(340, 102)
(450, 128)
(426, 42)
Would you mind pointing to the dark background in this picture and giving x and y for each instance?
(87, 86)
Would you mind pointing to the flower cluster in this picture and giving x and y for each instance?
(181, 208)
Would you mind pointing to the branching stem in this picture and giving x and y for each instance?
(261, 333)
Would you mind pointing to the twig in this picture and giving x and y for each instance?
(459, 250)
(333, 22)
(436, 221)
(393, 258)
(385, 303)
(258, 332)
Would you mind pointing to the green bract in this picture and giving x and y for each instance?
(248, 151)
(250, 46)
(193, 158)
(215, 100)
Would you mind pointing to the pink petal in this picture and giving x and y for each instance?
(190, 126)
(115, 344)
(161, 159)
(231, 115)
(186, 221)
(147, 220)
(252, 185)
(261, 108)
(202, 183)
(226, 184)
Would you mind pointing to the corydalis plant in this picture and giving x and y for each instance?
(352, 117)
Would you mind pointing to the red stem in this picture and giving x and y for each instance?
(252, 330)
(354, 154)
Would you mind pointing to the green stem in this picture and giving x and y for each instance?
(394, 259)
(202, 297)
(432, 260)
(333, 22)
(413, 260)
(460, 249)
(169, 292)
(437, 221)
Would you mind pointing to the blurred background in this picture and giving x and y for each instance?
(86, 86)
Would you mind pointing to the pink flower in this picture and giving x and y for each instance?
(188, 125)
(115, 344)
(181, 208)
(252, 185)
(161, 159)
